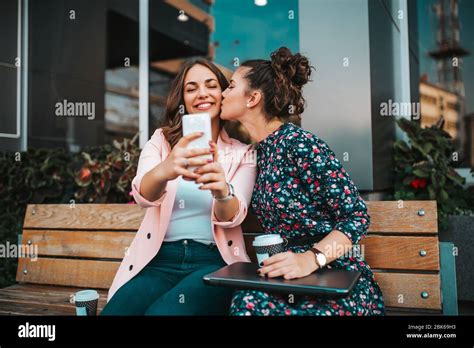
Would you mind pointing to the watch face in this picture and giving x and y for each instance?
(321, 259)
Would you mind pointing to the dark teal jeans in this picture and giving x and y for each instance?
(171, 284)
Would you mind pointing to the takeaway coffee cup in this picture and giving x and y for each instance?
(86, 302)
(267, 245)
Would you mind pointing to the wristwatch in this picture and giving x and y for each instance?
(229, 196)
(320, 257)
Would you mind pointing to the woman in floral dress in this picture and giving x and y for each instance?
(302, 192)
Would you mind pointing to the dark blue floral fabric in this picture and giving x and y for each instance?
(302, 190)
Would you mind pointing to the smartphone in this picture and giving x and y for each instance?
(198, 123)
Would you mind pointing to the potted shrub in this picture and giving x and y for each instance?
(424, 171)
(107, 172)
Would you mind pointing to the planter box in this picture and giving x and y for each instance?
(460, 231)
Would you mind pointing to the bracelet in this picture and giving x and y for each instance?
(229, 196)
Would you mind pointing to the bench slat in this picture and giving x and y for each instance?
(94, 244)
(67, 272)
(391, 217)
(381, 252)
(401, 253)
(407, 288)
(52, 297)
(19, 308)
(389, 252)
(45, 289)
(386, 217)
(84, 216)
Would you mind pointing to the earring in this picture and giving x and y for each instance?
(248, 105)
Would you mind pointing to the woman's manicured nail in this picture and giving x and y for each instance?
(261, 264)
(209, 161)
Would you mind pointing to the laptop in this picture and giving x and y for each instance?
(324, 282)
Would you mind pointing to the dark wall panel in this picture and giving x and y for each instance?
(8, 78)
(8, 73)
(67, 61)
(49, 130)
(60, 45)
(8, 30)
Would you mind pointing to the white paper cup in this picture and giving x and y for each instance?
(267, 245)
(86, 302)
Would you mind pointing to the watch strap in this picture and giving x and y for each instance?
(316, 251)
(229, 196)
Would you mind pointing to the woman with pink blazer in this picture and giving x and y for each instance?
(188, 230)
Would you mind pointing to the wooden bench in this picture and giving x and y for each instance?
(82, 246)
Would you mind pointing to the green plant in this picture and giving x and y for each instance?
(424, 171)
(107, 172)
(35, 176)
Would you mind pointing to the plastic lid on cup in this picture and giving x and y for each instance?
(267, 239)
(86, 295)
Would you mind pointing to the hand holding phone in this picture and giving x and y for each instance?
(198, 123)
(181, 158)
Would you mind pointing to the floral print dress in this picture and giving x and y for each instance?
(302, 190)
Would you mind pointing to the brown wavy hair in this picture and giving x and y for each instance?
(175, 107)
(280, 80)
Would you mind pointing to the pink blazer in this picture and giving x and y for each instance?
(239, 164)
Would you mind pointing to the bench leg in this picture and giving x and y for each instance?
(449, 290)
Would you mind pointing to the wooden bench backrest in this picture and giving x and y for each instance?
(77, 246)
(83, 245)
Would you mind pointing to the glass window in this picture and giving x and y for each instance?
(9, 65)
(178, 31)
(446, 46)
(227, 32)
(83, 57)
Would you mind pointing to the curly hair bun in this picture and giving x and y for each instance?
(292, 67)
(291, 72)
(281, 80)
